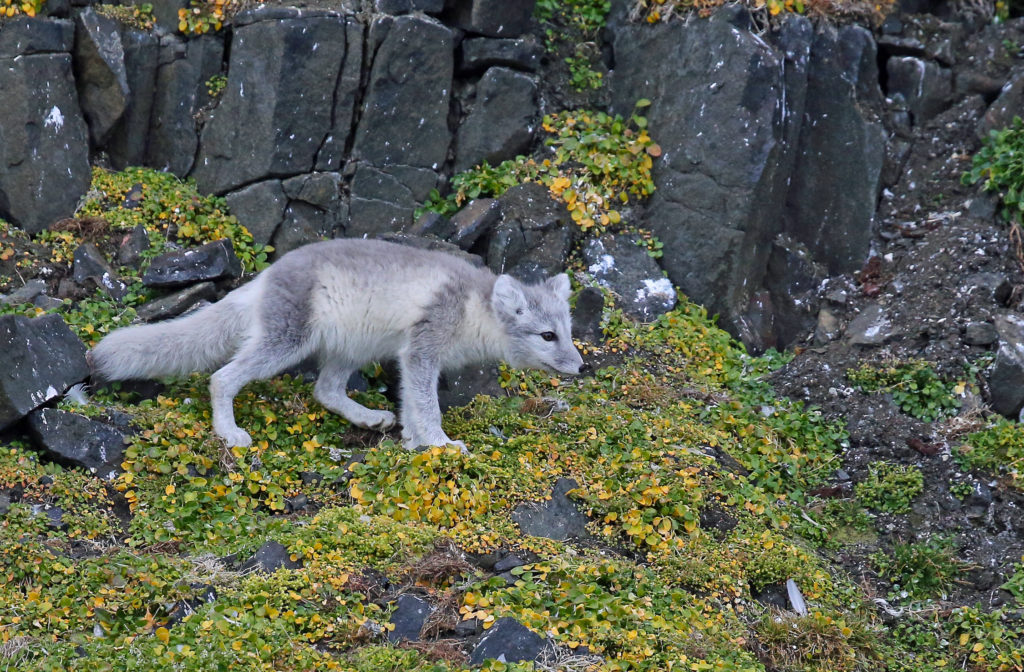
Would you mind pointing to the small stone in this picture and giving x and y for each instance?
(175, 304)
(474, 220)
(212, 261)
(557, 518)
(870, 327)
(129, 252)
(510, 641)
(980, 333)
(26, 293)
(89, 264)
(408, 618)
(270, 557)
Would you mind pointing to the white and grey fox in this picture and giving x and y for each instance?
(350, 302)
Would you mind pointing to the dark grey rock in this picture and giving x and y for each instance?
(434, 224)
(534, 232)
(409, 616)
(1003, 109)
(319, 189)
(510, 641)
(177, 303)
(558, 518)
(47, 302)
(501, 125)
(5, 504)
(480, 53)
(296, 503)
(473, 221)
(619, 264)
(494, 18)
(26, 293)
(837, 176)
(24, 36)
(277, 108)
(459, 387)
(428, 243)
(129, 136)
(384, 199)
(91, 265)
(184, 68)
(994, 287)
(40, 117)
(1006, 378)
(870, 327)
(587, 314)
(259, 208)
(100, 72)
(129, 251)
(40, 359)
(334, 151)
(406, 6)
(509, 562)
(405, 111)
(716, 92)
(212, 261)
(293, 233)
(77, 441)
(270, 557)
(980, 333)
(755, 326)
(792, 281)
(926, 86)
(166, 13)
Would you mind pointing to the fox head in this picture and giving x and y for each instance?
(536, 319)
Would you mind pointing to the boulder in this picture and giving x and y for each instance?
(510, 641)
(333, 152)
(384, 199)
(40, 358)
(480, 53)
(620, 264)
(278, 106)
(91, 266)
(404, 118)
(77, 441)
(177, 303)
(473, 221)
(259, 207)
(406, 6)
(792, 281)
(1006, 378)
(269, 558)
(40, 117)
(181, 76)
(132, 245)
(100, 72)
(24, 294)
(925, 85)
(534, 235)
(494, 18)
(1008, 105)
(871, 326)
(212, 261)
(502, 123)
(557, 518)
(409, 616)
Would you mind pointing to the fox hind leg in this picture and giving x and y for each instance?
(331, 393)
(257, 360)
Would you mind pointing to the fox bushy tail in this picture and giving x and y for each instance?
(203, 340)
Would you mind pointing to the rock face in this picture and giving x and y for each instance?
(277, 67)
(756, 141)
(502, 123)
(40, 117)
(78, 441)
(100, 72)
(40, 359)
(621, 265)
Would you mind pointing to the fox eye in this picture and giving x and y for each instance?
(549, 336)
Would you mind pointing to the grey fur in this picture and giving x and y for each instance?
(350, 302)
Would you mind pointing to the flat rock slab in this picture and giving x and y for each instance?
(213, 261)
(557, 518)
(621, 265)
(78, 441)
(175, 304)
(508, 640)
(408, 618)
(40, 358)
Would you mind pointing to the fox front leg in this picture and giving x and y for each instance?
(421, 412)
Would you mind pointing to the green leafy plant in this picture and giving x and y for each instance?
(574, 26)
(890, 487)
(215, 85)
(925, 569)
(998, 448)
(654, 11)
(914, 386)
(136, 16)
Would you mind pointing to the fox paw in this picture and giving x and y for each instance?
(235, 436)
(371, 419)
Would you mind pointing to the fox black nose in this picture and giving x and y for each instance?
(586, 368)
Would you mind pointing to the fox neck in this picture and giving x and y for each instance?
(483, 336)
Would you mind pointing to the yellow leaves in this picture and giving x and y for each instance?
(163, 634)
(169, 490)
(355, 492)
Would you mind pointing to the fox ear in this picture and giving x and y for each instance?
(559, 284)
(508, 297)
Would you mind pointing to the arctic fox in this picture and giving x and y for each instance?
(350, 302)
